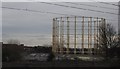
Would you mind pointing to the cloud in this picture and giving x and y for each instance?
(29, 39)
(58, 0)
(17, 24)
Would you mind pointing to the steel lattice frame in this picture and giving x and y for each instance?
(76, 33)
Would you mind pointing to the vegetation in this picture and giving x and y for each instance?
(13, 41)
(51, 56)
(109, 42)
(11, 52)
(15, 52)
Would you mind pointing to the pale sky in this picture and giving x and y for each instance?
(32, 28)
(60, 0)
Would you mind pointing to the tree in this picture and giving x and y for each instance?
(13, 41)
(12, 52)
(108, 40)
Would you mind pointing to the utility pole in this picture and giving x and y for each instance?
(119, 19)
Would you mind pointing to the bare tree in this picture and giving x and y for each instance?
(107, 38)
(13, 41)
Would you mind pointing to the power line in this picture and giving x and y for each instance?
(42, 12)
(83, 8)
(109, 3)
(29, 10)
(36, 11)
(79, 8)
(91, 5)
(105, 3)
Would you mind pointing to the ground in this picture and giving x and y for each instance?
(57, 64)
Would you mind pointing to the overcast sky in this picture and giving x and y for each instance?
(60, 0)
(32, 28)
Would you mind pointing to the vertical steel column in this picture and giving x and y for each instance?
(83, 35)
(57, 35)
(75, 37)
(97, 36)
(61, 35)
(68, 40)
(90, 35)
(94, 37)
(53, 37)
(99, 22)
